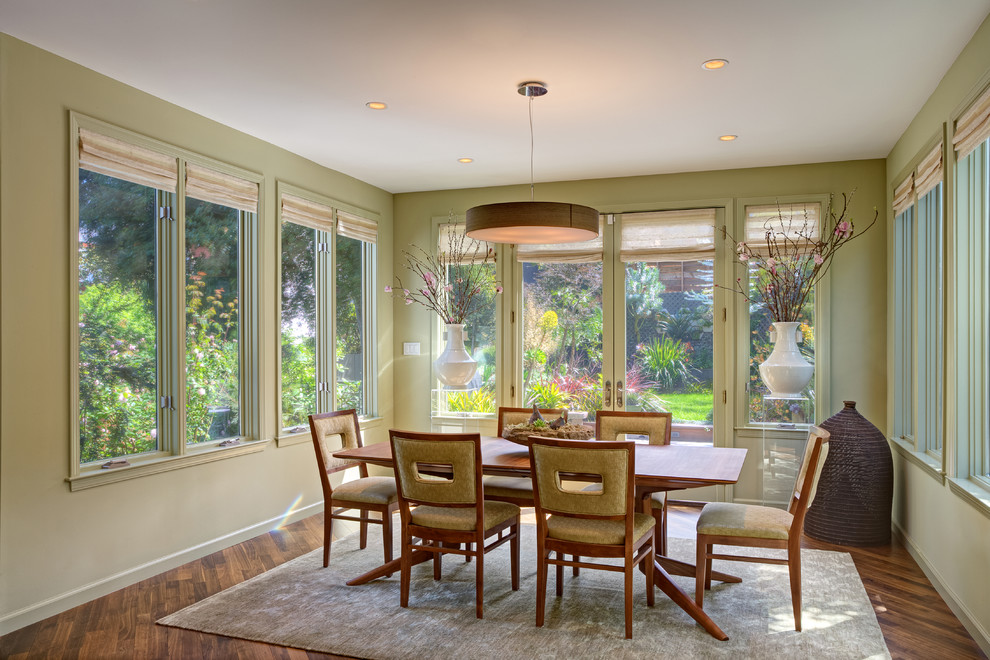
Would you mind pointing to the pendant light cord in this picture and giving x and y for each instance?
(532, 193)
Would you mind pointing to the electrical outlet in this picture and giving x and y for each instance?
(410, 348)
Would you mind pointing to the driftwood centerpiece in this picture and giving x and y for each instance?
(520, 433)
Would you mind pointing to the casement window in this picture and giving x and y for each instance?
(328, 261)
(970, 307)
(165, 304)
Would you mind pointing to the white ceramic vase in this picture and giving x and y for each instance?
(455, 367)
(785, 372)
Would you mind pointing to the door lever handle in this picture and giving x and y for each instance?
(608, 393)
(618, 394)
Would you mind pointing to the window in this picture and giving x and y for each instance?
(327, 320)
(971, 307)
(795, 220)
(903, 302)
(161, 295)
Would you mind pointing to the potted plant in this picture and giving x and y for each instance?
(786, 264)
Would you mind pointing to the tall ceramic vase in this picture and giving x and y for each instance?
(785, 372)
(455, 367)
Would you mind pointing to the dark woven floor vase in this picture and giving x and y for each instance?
(852, 505)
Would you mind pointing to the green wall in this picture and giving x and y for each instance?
(947, 533)
(60, 548)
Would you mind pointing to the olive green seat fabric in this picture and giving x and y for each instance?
(656, 426)
(600, 532)
(729, 519)
(462, 519)
(370, 490)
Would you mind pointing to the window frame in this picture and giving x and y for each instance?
(173, 452)
(326, 317)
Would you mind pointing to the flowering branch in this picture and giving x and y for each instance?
(791, 260)
(455, 281)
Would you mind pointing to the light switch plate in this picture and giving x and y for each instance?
(410, 348)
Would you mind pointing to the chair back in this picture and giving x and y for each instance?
(335, 431)
(455, 456)
(806, 483)
(508, 416)
(656, 425)
(554, 460)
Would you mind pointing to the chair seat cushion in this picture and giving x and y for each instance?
(747, 520)
(602, 532)
(658, 499)
(368, 490)
(508, 487)
(462, 519)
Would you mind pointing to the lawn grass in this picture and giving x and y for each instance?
(689, 407)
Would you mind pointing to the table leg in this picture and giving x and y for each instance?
(418, 557)
(677, 567)
(662, 580)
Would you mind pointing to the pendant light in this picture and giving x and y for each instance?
(532, 221)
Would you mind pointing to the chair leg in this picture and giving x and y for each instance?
(437, 561)
(577, 569)
(364, 529)
(649, 581)
(514, 557)
(628, 594)
(405, 569)
(541, 583)
(387, 536)
(560, 575)
(327, 535)
(480, 580)
(794, 568)
(468, 546)
(663, 526)
(699, 571)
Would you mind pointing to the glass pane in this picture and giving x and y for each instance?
(903, 328)
(117, 318)
(562, 336)
(478, 397)
(669, 349)
(212, 322)
(350, 321)
(298, 326)
(778, 411)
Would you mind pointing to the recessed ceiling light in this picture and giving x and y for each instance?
(376, 105)
(465, 160)
(711, 65)
(727, 138)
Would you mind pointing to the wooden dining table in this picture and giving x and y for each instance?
(658, 468)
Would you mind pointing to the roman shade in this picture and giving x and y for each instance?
(216, 187)
(904, 195)
(798, 224)
(566, 253)
(452, 233)
(123, 160)
(306, 213)
(682, 235)
(354, 226)
(929, 171)
(973, 127)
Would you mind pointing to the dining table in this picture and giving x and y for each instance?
(658, 468)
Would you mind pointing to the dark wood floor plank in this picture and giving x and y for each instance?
(916, 623)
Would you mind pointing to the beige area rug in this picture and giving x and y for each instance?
(303, 605)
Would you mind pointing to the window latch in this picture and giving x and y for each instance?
(166, 403)
(165, 213)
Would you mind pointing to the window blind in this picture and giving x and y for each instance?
(798, 224)
(929, 172)
(451, 234)
(904, 195)
(216, 187)
(682, 235)
(122, 160)
(973, 127)
(565, 253)
(307, 213)
(354, 226)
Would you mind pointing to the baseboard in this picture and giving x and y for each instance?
(980, 635)
(62, 602)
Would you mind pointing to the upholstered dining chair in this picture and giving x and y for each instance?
(657, 427)
(334, 431)
(440, 474)
(725, 523)
(517, 490)
(588, 523)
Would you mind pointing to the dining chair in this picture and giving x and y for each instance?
(334, 431)
(599, 523)
(517, 490)
(750, 525)
(440, 475)
(657, 427)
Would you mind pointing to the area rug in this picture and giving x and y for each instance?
(303, 605)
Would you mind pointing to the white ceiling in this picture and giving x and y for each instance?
(808, 80)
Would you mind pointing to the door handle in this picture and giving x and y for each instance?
(618, 394)
(608, 393)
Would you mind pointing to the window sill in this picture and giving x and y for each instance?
(928, 465)
(93, 477)
(972, 492)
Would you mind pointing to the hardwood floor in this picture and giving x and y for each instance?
(916, 623)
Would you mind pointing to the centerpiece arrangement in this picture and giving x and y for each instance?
(785, 265)
(453, 283)
(538, 426)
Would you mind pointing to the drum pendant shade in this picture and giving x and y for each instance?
(532, 222)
